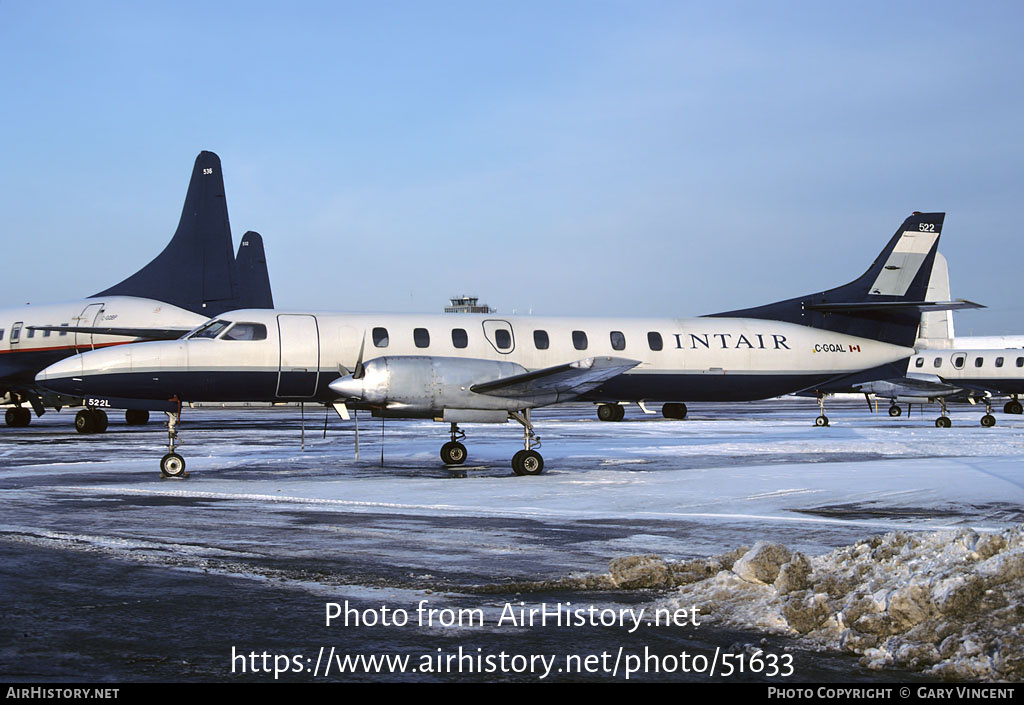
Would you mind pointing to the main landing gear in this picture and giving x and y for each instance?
(1013, 407)
(453, 452)
(988, 420)
(91, 421)
(895, 410)
(173, 465)
(611, 412)
(527, 461)
(18, 416)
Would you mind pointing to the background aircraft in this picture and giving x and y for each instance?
(196, 276)
(493, 369)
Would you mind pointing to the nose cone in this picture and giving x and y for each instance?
(347, 387)
(79, 374)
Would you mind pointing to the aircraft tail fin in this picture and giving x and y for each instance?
(886, 302)
(937, 326)
(196, 270)
(253, 277)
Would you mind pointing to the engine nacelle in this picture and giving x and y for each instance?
(426, 386)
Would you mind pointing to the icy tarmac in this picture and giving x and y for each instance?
(114, 573)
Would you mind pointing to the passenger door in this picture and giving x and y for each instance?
(299, 367)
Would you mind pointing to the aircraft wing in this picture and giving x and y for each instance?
(147, 333)
(568, 381)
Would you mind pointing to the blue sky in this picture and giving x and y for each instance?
(648, 158)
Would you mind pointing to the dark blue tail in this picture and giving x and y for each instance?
(197, 270)
(253, 277)
(885, 303)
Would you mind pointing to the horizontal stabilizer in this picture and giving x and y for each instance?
(920, 306)
(146, 333)
(574, 378)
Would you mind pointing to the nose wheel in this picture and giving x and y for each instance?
(172, 465)
(822, 420)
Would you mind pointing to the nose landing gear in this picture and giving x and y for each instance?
(527, 461)
(172, 465)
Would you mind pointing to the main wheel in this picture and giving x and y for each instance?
(18, 417)
(895, 410)
(943, 422)
(821, 421)
(1013, 407)
(172, 465)
(99, 419)
(85, 422)
(136, 417)
(610, 412)
(988, 420)
(453, 453)
(527, 462)
(673, 410)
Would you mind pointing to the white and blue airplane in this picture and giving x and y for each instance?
(196, 276)
(491, 369)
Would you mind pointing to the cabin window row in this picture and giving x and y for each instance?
(959, 361)
(503, 339)
(30, 332)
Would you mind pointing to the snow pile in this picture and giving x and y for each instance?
(947, 603)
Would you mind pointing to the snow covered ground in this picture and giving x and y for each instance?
(257, 504)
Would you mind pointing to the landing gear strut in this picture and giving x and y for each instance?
(822, 420)
(611, 412)
(453, 452)
(527, 461)
(172, 464)
(18, 417)
(944, 420)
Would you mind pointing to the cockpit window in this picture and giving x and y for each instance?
(210, 330)
(246, 331)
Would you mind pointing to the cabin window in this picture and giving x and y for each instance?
(460, 338)
(46, 333)
(1, 333)
(502, 339)
(958, 361)
(938, 362)
(979, 361)
(540, 339)
(64, 325)
(1020, 360)
(31, 332)
(654, 340)
(420, 337)
(380, 337)
(919, 362)
(210, 330)
(579, 340)
(246, 331)
(999, 362)
(618, 340)
(16, 334)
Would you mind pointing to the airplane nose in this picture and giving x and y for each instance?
(347, 387)
(65, 369)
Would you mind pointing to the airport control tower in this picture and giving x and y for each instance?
(468, 304)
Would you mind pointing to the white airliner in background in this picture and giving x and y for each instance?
(490, 368)
(196, 276)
